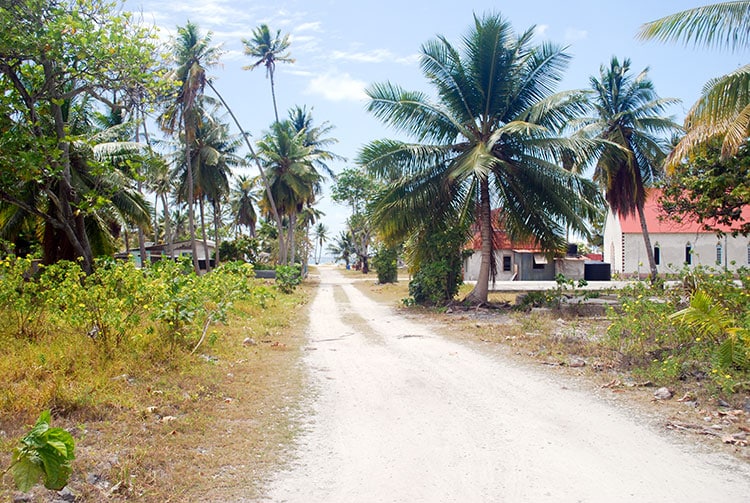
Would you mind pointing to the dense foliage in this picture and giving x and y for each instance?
(712, 190)
(385, 263)
(116, 314)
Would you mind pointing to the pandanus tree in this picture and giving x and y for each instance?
(723, 110)
(628, 116)
(491, 138)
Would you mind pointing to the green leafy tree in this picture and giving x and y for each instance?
(268, 49)
(628, 116)
(712, 190)
(492, 138)
(342, 247)
(52, 51)
(723, 110)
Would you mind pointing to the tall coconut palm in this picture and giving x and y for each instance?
(629, 117)
(192, 54)
(491, 139)
(723, 110)
(243, 200)
(268, 49)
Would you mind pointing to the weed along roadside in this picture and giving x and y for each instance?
(201, 412)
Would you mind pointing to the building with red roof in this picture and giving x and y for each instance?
(676, 244)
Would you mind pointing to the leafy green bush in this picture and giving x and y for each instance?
(385, 262)
(43, 453)
(287, 278)
(432, 284)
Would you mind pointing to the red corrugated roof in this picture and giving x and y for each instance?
(500, 239)
(659, 223)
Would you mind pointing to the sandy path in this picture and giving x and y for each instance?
(403, 415)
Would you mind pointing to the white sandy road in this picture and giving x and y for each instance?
(403, 415)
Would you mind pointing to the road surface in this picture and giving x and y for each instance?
(403, 415)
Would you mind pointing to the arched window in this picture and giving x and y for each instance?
(719, 253)
(657, 254)
(688, 253)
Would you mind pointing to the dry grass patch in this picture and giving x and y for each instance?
(207, 427)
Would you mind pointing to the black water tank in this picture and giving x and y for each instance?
(597, 271)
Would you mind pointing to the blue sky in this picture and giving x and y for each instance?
(342, 46)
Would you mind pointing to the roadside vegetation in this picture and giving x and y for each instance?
(155, 373)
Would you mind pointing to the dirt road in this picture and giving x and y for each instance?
(403, 415)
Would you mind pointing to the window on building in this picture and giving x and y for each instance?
(657, 254)
(540, 260)
(748, 254)
(688, 254)
(506, 263)
(719, 253)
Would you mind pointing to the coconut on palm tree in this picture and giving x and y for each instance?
(268, 49)
(723, 110)
(629, 118)
(491, 139)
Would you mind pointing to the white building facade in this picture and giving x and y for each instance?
(676, 245)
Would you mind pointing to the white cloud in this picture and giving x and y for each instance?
(573, 34)
(374, 56)
(337, 87)
(315, 27)
(540, 30)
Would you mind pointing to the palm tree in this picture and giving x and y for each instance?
(491, 139)
(629, 118)
(192, 55)
(268, 49)
(723, 110)
(243, 202)
(213, 155)
(294, 181)
(321, 236)
(342, 247)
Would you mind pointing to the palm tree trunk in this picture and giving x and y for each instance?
(481, 289)
(191, 195)
(217, 224)
(206, 255)
(647, 241)
(292, 251)
(273, 96)
(139, 187)
(274, 210)
(169, 238)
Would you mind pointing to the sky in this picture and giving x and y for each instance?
(341, 47)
